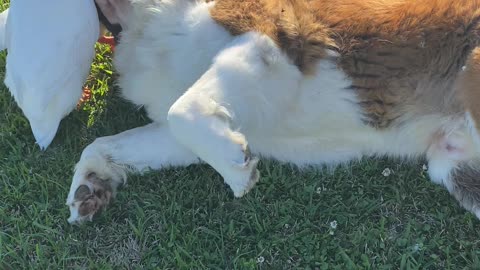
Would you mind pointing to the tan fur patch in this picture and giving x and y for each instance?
(289, 23)
(469, 87)
(398, 20)
(403, 56)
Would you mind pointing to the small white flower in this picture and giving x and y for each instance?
(287, 226)
(260, 259)
(333, 224)
(321, 189)
(424, 167)
(331, 233)
(417, 247)
(387, 172)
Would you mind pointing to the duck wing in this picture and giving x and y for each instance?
(50, 49)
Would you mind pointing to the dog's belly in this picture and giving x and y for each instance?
(338, 143)
(324, 124)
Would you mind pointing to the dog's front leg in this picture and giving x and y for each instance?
(104, 164)
(249, 81)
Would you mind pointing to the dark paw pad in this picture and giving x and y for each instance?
(94, 196)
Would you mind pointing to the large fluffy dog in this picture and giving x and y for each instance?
(299, 81)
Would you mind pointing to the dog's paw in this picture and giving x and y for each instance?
(247, 176)
(90, 198)
(93, 187)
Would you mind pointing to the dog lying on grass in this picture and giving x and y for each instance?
(299, 81)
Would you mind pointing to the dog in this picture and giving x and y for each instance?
(299, 81)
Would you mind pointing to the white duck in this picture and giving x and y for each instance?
(50, 47)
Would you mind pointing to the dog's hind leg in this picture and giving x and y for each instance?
(104, 164)
(454, 156)
(232, 96)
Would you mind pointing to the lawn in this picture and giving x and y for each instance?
(354, 217)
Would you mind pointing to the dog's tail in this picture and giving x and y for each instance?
(465, 185)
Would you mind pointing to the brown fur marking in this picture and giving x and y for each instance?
(466, 187)
(403, 56)
(289, 23)
(469, 87)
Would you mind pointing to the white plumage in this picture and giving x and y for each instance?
(3, 21)
(50, 47)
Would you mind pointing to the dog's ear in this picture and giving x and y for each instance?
(116, 11)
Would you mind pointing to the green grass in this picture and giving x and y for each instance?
(186, 218)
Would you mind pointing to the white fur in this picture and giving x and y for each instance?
(473, 129)
(216, 94)
(3, 23)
